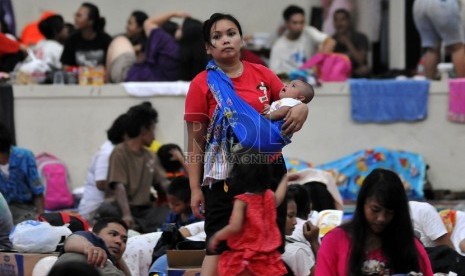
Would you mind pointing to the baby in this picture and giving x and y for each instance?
(292, 94)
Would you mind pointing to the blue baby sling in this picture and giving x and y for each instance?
(251, 130)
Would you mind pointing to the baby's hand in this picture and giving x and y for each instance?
(266, 109)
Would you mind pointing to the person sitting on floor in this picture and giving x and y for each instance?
(133, 171)
(20, 182)
(427, 225)
(102, 248)
(6, 224)
(172, 159)
(179, 200)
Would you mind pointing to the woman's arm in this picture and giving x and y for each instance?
(234, 226)
(295, 119)
(196, 133)
(327, 46)
(156, 21)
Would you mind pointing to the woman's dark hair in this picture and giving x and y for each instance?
(300, 196)
(51, 26)
(170, 27)
(5, 139)
(98, 23)
(209, 23)
(103, 222)
(192, 49)
(179, 188)
(291, 10)
(250, 172)
(165, 158)
(319, 196)
(140, 17)
(118, 129)
(397, 238)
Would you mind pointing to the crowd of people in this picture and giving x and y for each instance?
(252, 220)
(156, 48)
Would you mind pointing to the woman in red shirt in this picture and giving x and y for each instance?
(254, 84)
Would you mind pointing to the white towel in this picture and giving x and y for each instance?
(164, 88)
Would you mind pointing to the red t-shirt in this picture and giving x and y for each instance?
(8, 46)
(257, 86)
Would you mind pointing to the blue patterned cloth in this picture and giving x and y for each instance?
(389, 100)
(23, 180)
(351, 170)
(235, 122)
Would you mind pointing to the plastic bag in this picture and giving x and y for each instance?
(33, 69)
(37, 237)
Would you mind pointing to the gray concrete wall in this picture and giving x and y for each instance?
(70, 121)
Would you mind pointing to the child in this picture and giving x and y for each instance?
(252, 233)
(172, 160)
(292, 94)
(179, 199)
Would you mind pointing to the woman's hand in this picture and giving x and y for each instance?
(182, 14)
(295, 119)
(197, 203)
(266, 109)
(96, 256)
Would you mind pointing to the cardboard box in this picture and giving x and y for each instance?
(19, 264)
(185, 262)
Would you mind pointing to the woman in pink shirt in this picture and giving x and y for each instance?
(379, 240)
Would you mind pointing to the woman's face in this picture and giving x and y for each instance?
(377, 216)
(81, 18)
(291, 219)
(132, 29)
(226, 41)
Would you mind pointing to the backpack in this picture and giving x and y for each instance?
(330, 67)
(76, 222)
(54, 175)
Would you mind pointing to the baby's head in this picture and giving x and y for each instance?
(297, 89)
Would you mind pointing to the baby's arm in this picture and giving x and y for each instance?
(278, 114)
(234, 226)
(280, 192)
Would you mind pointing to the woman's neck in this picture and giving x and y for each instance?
(4, 158)
(372, 242)
(88, 33)
(232, 70)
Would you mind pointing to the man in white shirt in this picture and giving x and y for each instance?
(298, 43)
(428, 225)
